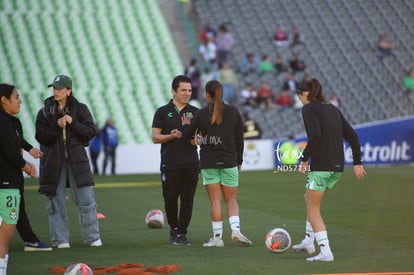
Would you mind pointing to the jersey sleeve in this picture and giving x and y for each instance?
(352, 138)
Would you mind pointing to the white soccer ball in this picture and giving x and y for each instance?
(78, 269)
(155, 218)
(278, 240)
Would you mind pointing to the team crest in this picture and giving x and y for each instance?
(13, 214)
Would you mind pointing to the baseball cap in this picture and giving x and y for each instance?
(60, 82)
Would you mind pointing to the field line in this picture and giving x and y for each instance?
(368, 273)
(110, 185)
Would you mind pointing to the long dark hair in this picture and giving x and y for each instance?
(5, 90)
(314, 88)
(215, 90)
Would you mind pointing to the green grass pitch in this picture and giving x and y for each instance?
(370, 224)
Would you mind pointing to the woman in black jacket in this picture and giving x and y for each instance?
(64, 126)
(11, 166)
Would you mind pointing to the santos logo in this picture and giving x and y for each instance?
(382, 153)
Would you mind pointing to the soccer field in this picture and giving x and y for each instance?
(370, 225)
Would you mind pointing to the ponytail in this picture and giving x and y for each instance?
(215, 90)
(314, 88)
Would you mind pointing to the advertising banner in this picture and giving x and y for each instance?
(383, 142)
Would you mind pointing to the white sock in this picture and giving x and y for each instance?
(3, 266)
(310, 235)
(217, 229)
(323, 241)
(7, 262)
(234, 223)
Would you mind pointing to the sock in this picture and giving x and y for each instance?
(323, 241)
(310, 235)
(6, 260)
(234, 223)
(217, 229)
(3, 266)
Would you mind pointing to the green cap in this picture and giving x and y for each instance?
(60, 82)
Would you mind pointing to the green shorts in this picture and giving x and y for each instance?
(226, 176)
(9, 205)
(321, 180)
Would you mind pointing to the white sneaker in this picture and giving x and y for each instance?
(308, 247)
(218, 242)
(322, 257)
(237, 236)
(63, 245)
(96, 243)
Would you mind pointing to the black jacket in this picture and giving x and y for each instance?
(326, 129)
(50, 136)
(11, 159)
(222, 145)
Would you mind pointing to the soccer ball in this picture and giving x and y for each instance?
(155, 218)
(278, 240)
(78, 269)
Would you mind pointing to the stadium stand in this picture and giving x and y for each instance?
(120, 55)
(340, 50)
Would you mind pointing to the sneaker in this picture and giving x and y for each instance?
(36, 246)
(96, 243)
(218, 242)
(181, 239)
(173, 235)
(237, 236)
(308, 247)
(63, 245)
(322, 257)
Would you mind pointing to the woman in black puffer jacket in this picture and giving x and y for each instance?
(64, 126)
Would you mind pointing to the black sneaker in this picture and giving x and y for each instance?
(181, 240)
(173, 234)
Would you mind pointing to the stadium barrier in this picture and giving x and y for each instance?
(382, 143)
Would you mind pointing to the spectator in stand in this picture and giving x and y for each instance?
(194, 73)
(228, 79)
(334, 100)
(297, 104)
(297, 64)
(409, 82)
(290, 84)
(252, 129)
(295, 37)
(248, 97)
(265, 95)
(266, 65)
(280, 66)
(284, 101)
(385, 47)
(208, 50)
(280, 38)
(249, 64)
(208, 32)
(306, 77)
(224, 43)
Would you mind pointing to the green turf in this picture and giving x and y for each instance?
(370, 225)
